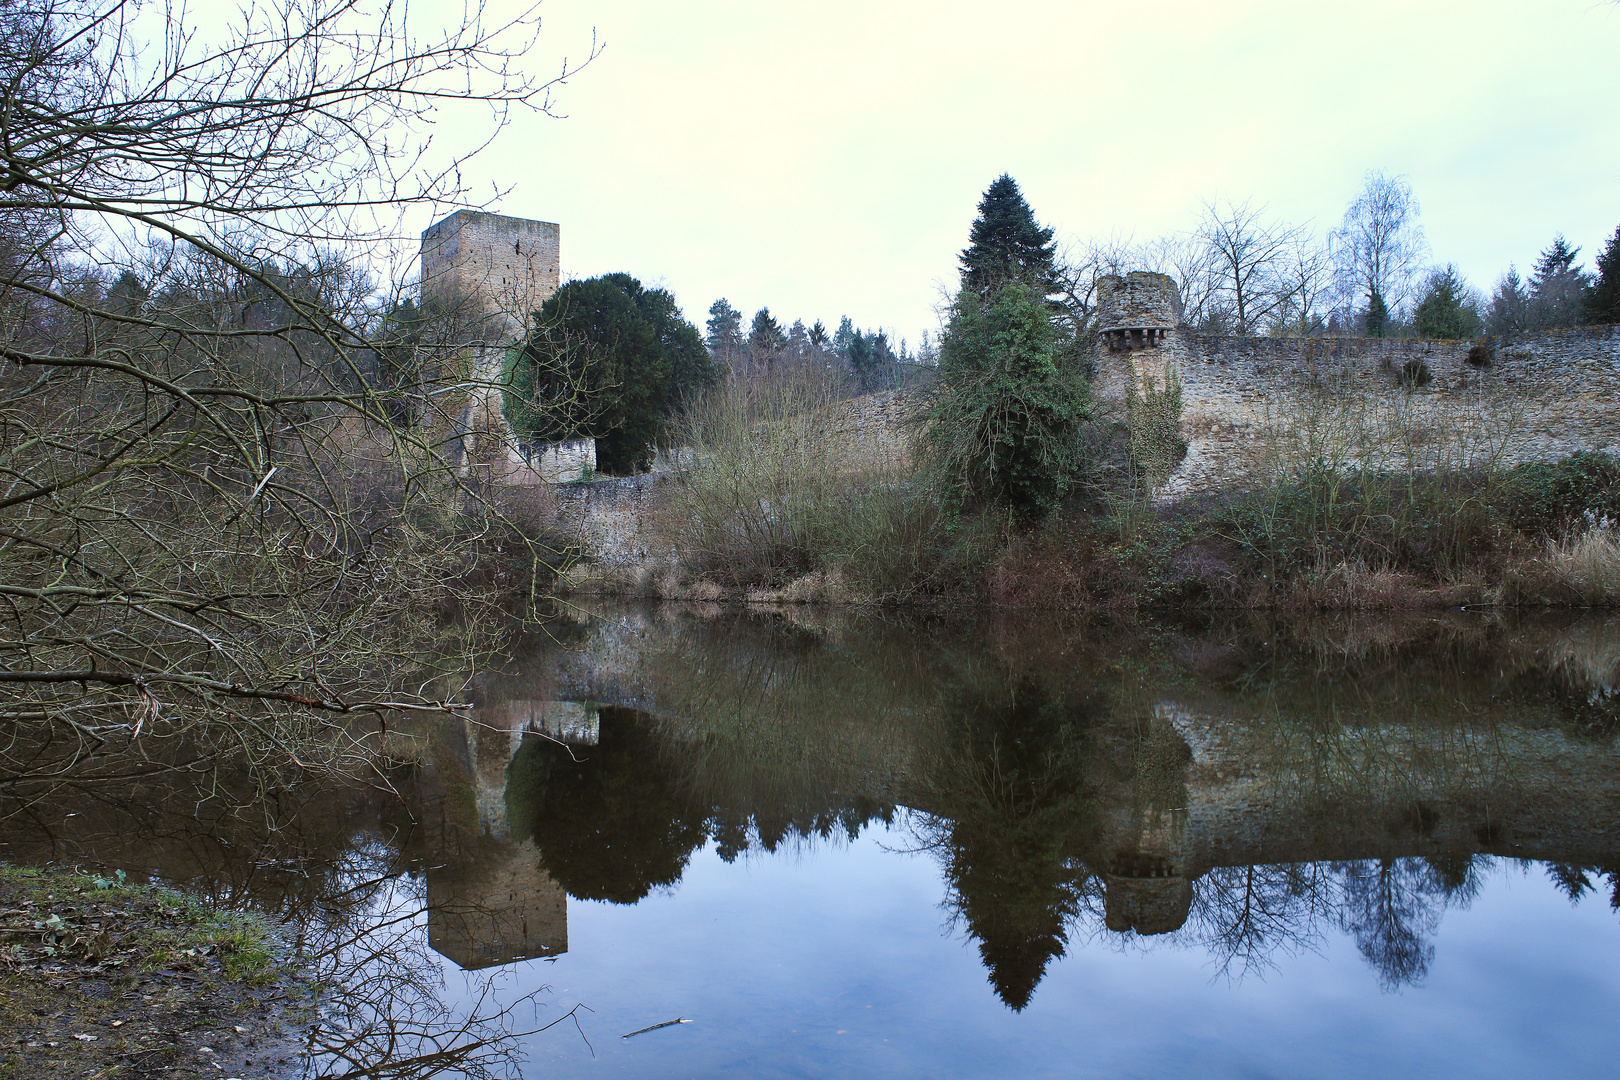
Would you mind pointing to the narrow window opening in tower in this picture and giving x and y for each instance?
(517, 247)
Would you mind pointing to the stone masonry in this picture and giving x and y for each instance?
(497, 270)
(1251, 405)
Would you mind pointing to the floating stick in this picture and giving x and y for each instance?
(655, 1027)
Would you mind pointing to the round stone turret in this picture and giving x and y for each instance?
(1145, 893)
(1138, 310)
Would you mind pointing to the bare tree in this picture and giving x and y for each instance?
(1305, 283)
(1378, 251)
(212, 507)
(1247, 257)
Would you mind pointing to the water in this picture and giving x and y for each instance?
(860, 846)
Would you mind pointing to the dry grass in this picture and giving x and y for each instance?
(783, 494)
(1581, 569)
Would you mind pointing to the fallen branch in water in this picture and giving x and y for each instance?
(655, 1027)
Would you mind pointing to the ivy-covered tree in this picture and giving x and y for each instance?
(1007, 244)
(1003, 425)
(1603, 301)
(1447, 308)
(608, 359)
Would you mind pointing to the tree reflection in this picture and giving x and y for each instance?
(1576, 881)
(609, 820)
(1015, 815)
(1246, 916)
(1392, 908)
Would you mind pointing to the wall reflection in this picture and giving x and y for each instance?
(1245, 790)
(1245, 797)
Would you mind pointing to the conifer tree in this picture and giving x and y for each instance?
(1557, 289)
(1603, 302)
(862, 360)
(765, 339)
(1508, 305)
(1447, 309)
(1377, 315)
(607, 359)
(1003, 426)
(725, 338)
(1007, 244)
(844, 335)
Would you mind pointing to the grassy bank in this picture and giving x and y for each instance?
(786, 495)
(108, 978)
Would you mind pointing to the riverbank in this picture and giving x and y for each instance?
(102, 977)
(1529, 535)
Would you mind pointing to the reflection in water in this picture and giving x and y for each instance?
(1235, 790)
(1013, 815)
(1246, 797)
(610, 824)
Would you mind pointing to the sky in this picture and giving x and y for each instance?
(826, 159)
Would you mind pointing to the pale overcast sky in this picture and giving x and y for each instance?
(826, 158)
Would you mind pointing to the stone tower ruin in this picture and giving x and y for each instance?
(492, 272)
(1137, 311)
(501, 267)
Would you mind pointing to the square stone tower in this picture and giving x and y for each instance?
(493, 272)
(497, 265)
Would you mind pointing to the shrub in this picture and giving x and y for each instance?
(1543, 497)
(776, 483)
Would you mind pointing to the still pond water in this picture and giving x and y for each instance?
(847, 845)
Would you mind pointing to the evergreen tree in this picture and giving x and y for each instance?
(798, 342)
(1558, 258)
(1603, 301)
(845, 336)
(818, 335)
(1509, 304)
(1003, 425)
(725, 338)
(128, 294)
(1446, 309)
(607, 359)
(1007, 244)
(863, 361)
(1557, 289)
(1377, 317)
(765, 340)
(692, 368)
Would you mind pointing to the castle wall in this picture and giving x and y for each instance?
(1249, 405)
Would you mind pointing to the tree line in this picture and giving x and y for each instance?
(868, 357)
(1243, 272)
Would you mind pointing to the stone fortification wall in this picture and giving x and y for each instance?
(610, 518)
(1254, 405)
